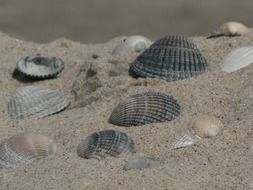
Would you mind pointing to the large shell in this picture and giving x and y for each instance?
(237, 59)
(230, 29)
(170, 58)
(106, 143)
(131, 44)
(140, 163)
(35, 101)
(24, 148)
(141, 109)
(38, 67)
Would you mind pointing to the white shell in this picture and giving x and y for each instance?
(237, 59)
(140, 163)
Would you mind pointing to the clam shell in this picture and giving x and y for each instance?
(140, 163)
(131, 44)
(38, 67)
(171, 58)
(237, 59)
(141, 109)
(24, 148)
(106, 143)
(35, 101)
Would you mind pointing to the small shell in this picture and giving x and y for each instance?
(140, 163)
(106, 143)
(230, 29)
(35, 101)
(25, 148)
(237, 59)
(38, 67)
(141, 109)
(131, 44)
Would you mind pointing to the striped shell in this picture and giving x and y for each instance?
(140, 163)
(237, 59)
(35, 101)
(141, 109)
(24, 148)
(106, 143)
(38, 67)
(171, 58)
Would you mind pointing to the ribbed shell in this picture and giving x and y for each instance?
(106, 143)
(24, 148)
(141, 109)
(35, 101)
(38, 67)
(140, 163)
(171, 58)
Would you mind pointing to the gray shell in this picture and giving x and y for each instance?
(106, 143)
(24, 148)
(140, 163)
(35, 101)
(38, 67)
(141, 109)
(171, 58)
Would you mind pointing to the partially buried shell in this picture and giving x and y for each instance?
(171, 58)
(38, 67)
(24, 148)
(35, 101)
(201, 127)
(140, 163)
(106, 143)
(141, 109)
(237, 59)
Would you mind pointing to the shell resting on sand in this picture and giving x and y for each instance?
(237, 59)
(38, 67)
(24, 148)
(131, 44)
(35, 101)
(141, 109)
(230, 29)
(200, 127)
(106, 143)
(140, 163)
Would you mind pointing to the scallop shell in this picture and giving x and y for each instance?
(106, 143)
(230, 29)
(202, 127)
(131, 44)
(171, 58)
(24, 148)
(38, 67)
(141, 109)
(35, 101)
(237, 59)
(140, 163)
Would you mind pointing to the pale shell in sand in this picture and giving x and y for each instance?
(140, 163)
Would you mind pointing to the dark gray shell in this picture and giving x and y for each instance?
(140, 163)
(170, 58)
(35, 101)
(141, 109)
(106, 143)
(38, 67)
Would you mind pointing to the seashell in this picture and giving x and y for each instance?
(35, 101)
(230, 29)
(201, 127)
(237, 59)
(106, 143)
(131, 44)
(171, 58)
(24, 148)
(140, 163)
(141, 109)
(38, 67)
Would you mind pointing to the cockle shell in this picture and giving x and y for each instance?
(35, 101)
(24, 148)
(171, 58)
(230, 29)
(201, 127)
(237, 59)
(38, 67)
(140, 163)
(141, 109)
(106, 143)
(131, 44)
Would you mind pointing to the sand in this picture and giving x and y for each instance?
(222, 162)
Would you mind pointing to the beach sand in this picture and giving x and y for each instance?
(222, 162)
